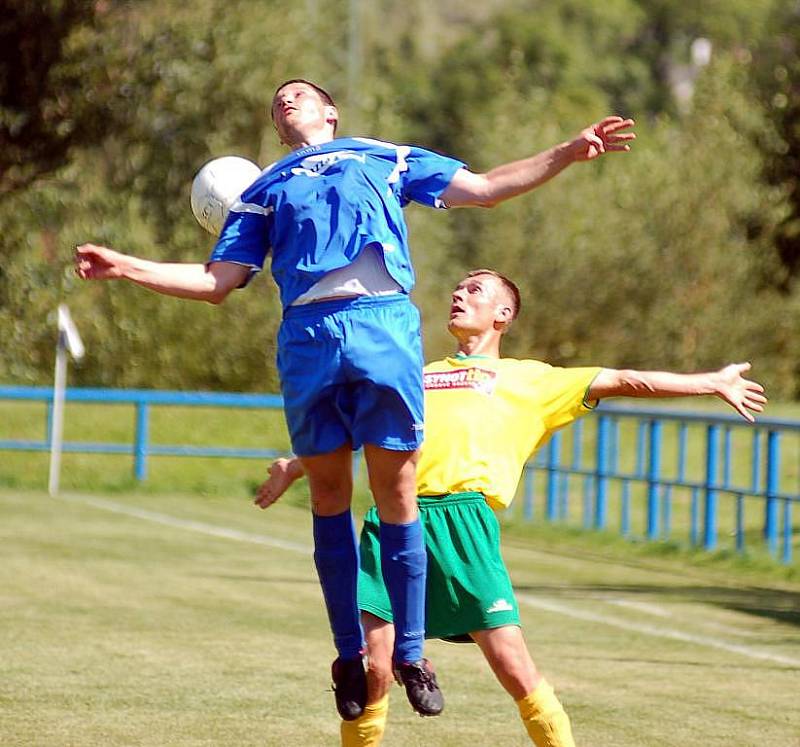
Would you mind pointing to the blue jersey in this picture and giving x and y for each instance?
(318, 207)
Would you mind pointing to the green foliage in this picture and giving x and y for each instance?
(676, 255)
(43, 111)
(776, 71)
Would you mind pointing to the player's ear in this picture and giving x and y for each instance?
(505, 314)
(331, 115)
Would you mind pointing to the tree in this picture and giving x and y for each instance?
(776, 72)
(45, 106)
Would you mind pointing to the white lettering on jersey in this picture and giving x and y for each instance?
(319, 164)
(479, 379)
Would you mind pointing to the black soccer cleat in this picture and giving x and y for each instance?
(422, 691)
(349, 687)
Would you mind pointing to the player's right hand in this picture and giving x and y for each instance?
(282, 473)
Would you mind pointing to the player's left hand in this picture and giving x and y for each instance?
(605, 136)
(93, 262)
(743, 395)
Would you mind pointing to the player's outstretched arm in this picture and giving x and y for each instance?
(282, 473)
(468, 189)
(743, 395)
(200, 282)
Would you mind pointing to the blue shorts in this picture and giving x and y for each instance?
(351, 372)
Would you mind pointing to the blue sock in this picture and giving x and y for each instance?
(404, 565)
(336, 558)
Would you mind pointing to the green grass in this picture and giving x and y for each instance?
(120, 630)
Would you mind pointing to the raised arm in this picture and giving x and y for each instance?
(199, 282)
(282, 473)
(468, 189)
(728, 384)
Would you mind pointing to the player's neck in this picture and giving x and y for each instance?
(486, 345)
(303, 140)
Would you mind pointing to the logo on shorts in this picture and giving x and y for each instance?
(499, 605)
(480, 379)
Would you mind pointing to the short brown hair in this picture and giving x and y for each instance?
(324, 95)
(509, 285)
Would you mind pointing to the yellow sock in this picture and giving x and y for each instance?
(367, 730)
(544, 718)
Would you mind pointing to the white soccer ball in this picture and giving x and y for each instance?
(217, 186)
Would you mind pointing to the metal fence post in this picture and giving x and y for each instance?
(771, 501)
(694, 518)
(755, 465)
(712, 468)
(739, 529)
(527, 504)
(653, 476)
(553, 463)
(601, 468)
(142, 437)
(787, 531)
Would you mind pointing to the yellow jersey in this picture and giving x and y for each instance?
(484, 417)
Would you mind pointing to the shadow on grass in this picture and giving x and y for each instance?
(773, 604)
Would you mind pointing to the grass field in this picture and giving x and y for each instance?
(167, 619)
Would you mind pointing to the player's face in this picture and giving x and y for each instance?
(478, 304)
(298, 110)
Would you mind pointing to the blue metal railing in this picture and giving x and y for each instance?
(666, 480)
(143, 400)
(668, 483)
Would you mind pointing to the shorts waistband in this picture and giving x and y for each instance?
(321, 308)
(445, 499)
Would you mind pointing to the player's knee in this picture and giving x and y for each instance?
(379, 677)
(330, 504)
(330, 495)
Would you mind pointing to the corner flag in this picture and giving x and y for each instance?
(68, 340)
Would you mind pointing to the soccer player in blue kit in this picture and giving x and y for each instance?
(349, 347)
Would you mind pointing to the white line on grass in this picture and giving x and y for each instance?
(644, 607)
(193, 526)
(652, 630)
(537, 602)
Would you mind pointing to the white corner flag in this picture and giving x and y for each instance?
(68, 341)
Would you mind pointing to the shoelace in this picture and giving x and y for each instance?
(424, 677)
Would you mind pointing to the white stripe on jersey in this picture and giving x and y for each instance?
(401, 152)
(250, 207)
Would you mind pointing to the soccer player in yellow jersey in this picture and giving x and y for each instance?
(484, 417)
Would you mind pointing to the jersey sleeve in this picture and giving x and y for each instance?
(562, 394)
(243, 241)
(427, 175)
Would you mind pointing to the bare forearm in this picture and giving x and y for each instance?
(512, 179)
(627, 383)
(509, 180)
(518, 177)
(190, 280)
(729, 384)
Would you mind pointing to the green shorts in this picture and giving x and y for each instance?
(468, 585)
